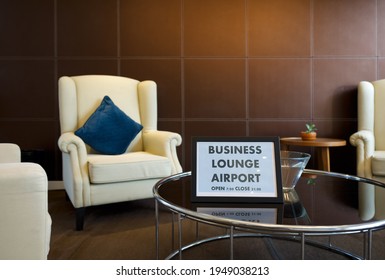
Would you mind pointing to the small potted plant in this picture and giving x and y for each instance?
(310, 132)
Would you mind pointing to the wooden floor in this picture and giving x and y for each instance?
(126, 231)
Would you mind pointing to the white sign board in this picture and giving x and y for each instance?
(243, 169)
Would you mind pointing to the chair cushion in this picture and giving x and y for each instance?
(127, 167)
(109, 130)
(378, 163)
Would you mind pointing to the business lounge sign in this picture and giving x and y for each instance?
(236, 170)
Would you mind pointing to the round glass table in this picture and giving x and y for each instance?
(322, 204)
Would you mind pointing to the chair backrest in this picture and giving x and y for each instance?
(371, 113)
(9, 153)
(79, 96)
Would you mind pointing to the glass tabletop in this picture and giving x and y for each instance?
(321, 203)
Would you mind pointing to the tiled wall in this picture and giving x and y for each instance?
(223, 67)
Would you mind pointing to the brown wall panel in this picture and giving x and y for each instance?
(75, 67)
(214, 28)
(381, 27)
(150, 28)
(27, 88)
(87, 28)
(344, 27)
(215, 88)
(279, 88)
(279, 28)
(381, 68)
(335, 85)
(27, 28)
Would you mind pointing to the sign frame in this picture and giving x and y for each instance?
(244, 151)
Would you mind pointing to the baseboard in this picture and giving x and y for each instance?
(55, 185)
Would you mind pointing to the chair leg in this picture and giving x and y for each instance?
(80, 213)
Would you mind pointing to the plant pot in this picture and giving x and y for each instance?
(308, 136)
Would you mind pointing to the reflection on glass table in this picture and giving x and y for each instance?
(321, 204)
(294, 209)
(371, 202)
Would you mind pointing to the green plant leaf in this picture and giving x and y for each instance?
(310, 127)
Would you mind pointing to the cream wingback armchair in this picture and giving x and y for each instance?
(370, 137)
(369, 141)
(25, 223)
(111, 148)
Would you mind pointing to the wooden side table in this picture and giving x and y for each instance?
(323, 145)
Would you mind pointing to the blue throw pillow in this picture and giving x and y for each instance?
(109, 130)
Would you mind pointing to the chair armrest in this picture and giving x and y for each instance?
(75, 168)
(69, 141)
(9, 153)
(163, 143)
(364, 141)
(25, 222)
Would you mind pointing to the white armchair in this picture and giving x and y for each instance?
(369, 141)
(25, 230)
(92, 177)
(370, 137)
